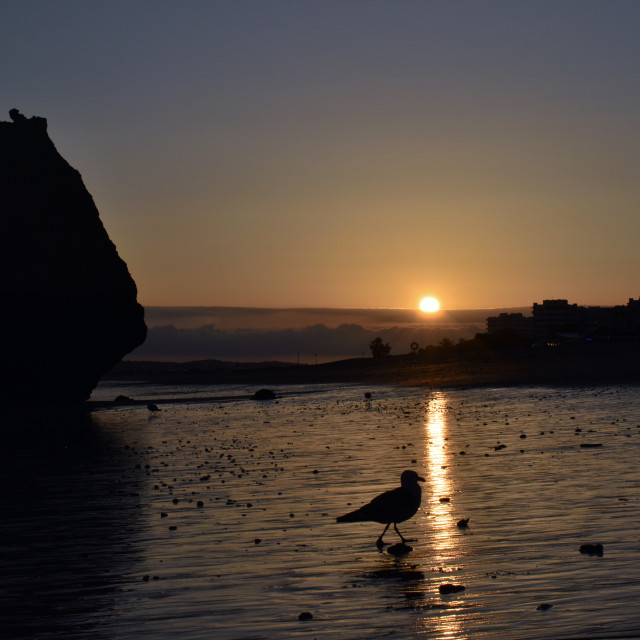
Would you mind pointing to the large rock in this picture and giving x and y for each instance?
(69, 308)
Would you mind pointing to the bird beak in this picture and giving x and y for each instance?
(421, 479)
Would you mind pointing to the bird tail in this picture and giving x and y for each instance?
(353, 516)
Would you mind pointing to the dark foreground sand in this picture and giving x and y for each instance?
(584, 364)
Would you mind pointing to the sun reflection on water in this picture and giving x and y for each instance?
(439, 488)
(441, 523)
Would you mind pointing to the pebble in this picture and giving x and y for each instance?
(264, 394)
(450, 588)
(305, 615)
(592, 549)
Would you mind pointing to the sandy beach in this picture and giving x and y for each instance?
(216, 519)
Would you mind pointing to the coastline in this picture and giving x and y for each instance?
(565, 365)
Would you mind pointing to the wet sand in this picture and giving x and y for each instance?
(217, 519)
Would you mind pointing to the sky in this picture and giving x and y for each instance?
(347, 153)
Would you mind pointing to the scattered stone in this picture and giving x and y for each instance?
(367, 395)
(305, 615)
(463, 523)
(592, 549)
(500, 447)
(257, 541)
(590, 445)
(264, 394)
(445, 499)
(152, 407)
(450, 588)
(200, 504)
(545, 606)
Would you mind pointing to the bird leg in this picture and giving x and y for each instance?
(398, 532)
(379, 542)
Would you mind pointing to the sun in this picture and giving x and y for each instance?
(429, 305)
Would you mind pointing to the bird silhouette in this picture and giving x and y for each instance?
(394, 506)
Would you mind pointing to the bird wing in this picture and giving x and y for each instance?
(396, 505)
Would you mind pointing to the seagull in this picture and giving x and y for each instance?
(392, 506)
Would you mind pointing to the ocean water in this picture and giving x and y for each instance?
(214, 518)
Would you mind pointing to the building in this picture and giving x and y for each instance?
(517, 323)
(619, 322)
(554, 317)
(555, 321)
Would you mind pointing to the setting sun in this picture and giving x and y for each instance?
(429, 305)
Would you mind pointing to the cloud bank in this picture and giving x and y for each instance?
(313, 343)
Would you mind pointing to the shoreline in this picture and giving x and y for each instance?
(566, 365)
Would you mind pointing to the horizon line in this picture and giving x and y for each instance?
(326, 308)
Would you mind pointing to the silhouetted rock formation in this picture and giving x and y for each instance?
(69, 303)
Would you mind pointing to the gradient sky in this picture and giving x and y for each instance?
(347, 153)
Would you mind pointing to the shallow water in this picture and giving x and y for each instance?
(216, 519)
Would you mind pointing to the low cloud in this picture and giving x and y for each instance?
(168, 342)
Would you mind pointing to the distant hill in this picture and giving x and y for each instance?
(585, 364)
(301, 336)
(264, 318)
